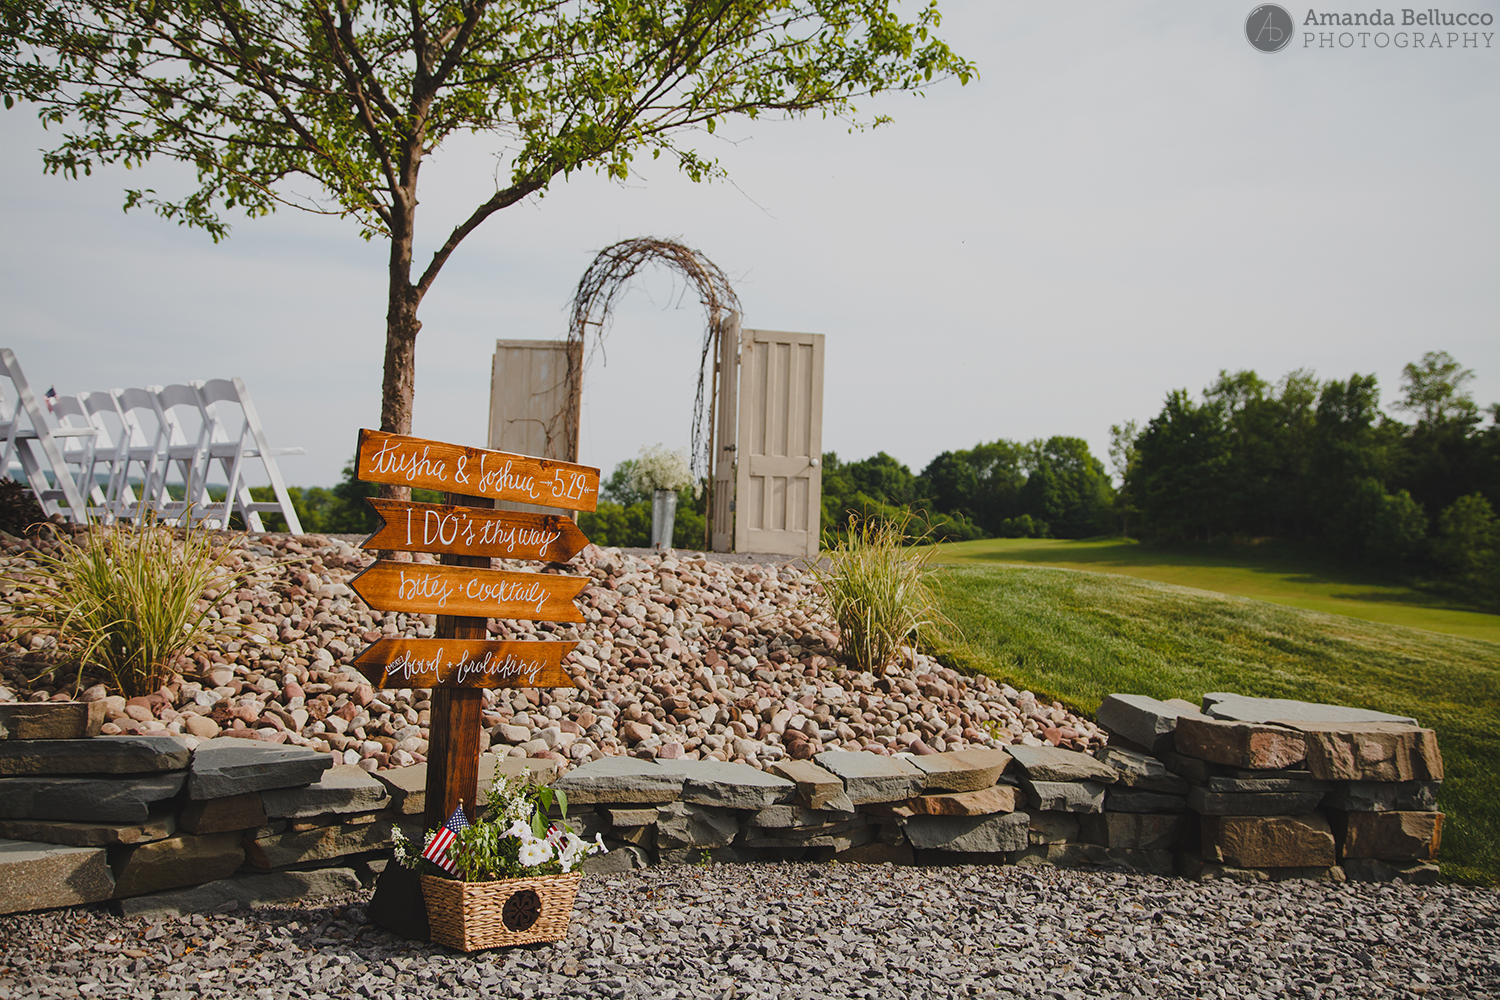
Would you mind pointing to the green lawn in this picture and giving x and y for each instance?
(1281, 575)
(1078, 636)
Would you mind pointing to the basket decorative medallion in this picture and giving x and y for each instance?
(509, 877)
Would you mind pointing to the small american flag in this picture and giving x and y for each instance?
(436, 850)
(50, 395)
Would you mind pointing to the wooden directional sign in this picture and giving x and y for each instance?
(474, 531)
(424, 589)
(478, 472)
(464, 663)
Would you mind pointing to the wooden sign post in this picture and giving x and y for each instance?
(461, 660)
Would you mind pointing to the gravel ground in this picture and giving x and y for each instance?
(813, 931)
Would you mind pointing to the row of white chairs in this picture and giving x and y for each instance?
(110, 455)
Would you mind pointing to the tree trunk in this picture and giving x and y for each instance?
(401, 327)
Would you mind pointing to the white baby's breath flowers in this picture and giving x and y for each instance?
(660, 469)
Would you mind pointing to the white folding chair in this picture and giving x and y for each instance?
(150, 433)
(85, 452)
(188, 429)
(230, 446)
(32, 439)
(106, 414)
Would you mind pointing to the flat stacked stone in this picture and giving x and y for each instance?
(67, 720)
(186, 859)
(1260, 767)
(43, 876)
(81, 833)
(101, 755)
(1142, 723)
(818, 787)
(869, 777)
(1058, 780)
(101, 798)
(232, 767)
(338, 790)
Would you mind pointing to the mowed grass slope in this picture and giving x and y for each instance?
(1281, 574)
(1078, 636)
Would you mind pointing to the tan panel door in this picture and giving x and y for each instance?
(726, 421)
(779, 479)
(534, 402)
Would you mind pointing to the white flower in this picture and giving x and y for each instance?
(660, 469)
(535, 852)
(521, 830)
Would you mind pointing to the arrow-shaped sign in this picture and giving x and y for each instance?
(475, 472)
(464, 663)
(474, 531)
(425, 589)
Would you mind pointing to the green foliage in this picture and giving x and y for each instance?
(263, 98)
(1378, 527)
(1468, 546)
(1078, 636)
(341, 510)
(514, 837)
(19, 511)
(875, 587)
(127, 601)
(1024, 526)
(623, 516)
(1001, 488)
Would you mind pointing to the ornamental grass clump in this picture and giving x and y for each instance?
(127, 600)
(876, 589)
(514, 839)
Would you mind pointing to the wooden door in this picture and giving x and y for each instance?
(779, 479)
(535, 396)
(725, 429)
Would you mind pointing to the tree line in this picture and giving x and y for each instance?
(1299, 460)
(1319, 462)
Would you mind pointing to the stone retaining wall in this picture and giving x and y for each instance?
(1238, 787)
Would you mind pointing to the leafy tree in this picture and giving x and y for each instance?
(1468, 546)
(1068, 488)
(1378, 527)
(1441, 458)
(334, 107)
(1351, 442)
(1434, 389)
(1183, 461)
(1122, 458)
(883, 478)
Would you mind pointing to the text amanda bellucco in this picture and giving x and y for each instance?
(1422, 37)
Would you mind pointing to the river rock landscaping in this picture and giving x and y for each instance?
(682, 656)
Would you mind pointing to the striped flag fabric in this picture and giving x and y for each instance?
(438, 844)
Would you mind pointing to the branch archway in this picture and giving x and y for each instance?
(611, 275)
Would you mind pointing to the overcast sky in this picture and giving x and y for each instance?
(1128, 200)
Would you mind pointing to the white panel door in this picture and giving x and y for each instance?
(779, 479)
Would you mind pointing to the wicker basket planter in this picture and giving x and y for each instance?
(471, 916)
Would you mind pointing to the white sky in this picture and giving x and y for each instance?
(1129, 199)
